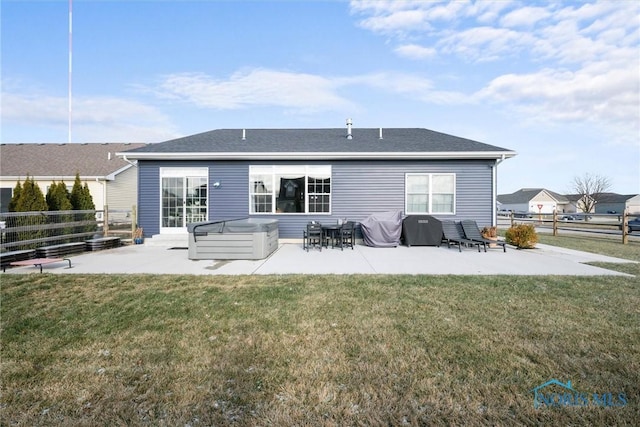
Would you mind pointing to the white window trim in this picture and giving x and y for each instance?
(430, 195)
(276, 169)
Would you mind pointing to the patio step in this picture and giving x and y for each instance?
(168, 240)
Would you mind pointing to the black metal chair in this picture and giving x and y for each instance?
(452, 234)
(472, 232)
(346, 235)
(312, 236)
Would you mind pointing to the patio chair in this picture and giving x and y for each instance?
(452, 234)
(346, 235)
(313, 236)
(472, 232)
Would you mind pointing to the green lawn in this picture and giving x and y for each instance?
(318, 350)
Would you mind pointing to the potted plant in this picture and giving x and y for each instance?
(490, 232)
(137, 236)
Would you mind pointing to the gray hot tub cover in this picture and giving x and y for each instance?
(382, 229)
(246, 225)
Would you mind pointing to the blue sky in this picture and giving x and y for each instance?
(558, 82)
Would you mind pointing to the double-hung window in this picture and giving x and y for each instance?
(430, 193)
(289, 189)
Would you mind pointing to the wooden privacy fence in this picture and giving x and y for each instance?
(588, 223)
(29, 230)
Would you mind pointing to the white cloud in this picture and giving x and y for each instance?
(581, 58)
(301, 93)
(254, 88)
(609, 98)
(414, 51)
(480, 44)
(399, 17)
(99, 119)
(525, 17)
(399, 21)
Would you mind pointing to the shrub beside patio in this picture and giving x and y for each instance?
(314, 350)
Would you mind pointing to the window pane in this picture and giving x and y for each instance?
(261, 188)
(319, 189)
(261, 203)
(290, 193)
(418, 184)
(289, 189)
(261, 183)
(319, 203)
(417, 203)
(430, 193)
(442, 203)
(443, 184)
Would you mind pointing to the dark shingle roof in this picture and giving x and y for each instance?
(318, 142)
(62, 160)
(614, 197)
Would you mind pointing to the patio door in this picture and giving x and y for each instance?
(183, 198)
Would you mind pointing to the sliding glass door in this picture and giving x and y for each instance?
(183, 198)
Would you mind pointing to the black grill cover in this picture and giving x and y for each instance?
(421, 230)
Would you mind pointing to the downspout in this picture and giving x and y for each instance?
(135, 213)
(104, 194)
(494, 179)
(124, 157)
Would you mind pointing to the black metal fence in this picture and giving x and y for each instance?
(30, 230)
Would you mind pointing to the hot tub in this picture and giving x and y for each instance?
(251, 238)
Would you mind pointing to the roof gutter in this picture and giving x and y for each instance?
(498, 155)
(124, 157)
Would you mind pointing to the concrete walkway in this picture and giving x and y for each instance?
(290, 258)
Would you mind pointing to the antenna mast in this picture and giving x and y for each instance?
(70, 62)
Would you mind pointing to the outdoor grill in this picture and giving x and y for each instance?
(421, 230)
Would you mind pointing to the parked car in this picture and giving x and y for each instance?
(522, 215)
(576, 217)
(634, 224)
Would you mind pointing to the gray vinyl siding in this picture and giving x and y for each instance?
(231, 199)
(362, 188)
(149, 197)
(358, 189)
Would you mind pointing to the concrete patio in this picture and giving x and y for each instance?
(290, 258)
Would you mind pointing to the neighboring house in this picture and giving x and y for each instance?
(633, 204)
(577, 203)
(534, 200)
(299, 175)
(618, 203)
(540, 200)
(111, 180)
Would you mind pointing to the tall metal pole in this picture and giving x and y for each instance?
(70, 64)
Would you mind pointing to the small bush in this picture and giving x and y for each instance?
(523, 236)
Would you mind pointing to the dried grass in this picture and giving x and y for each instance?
(313, 350)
